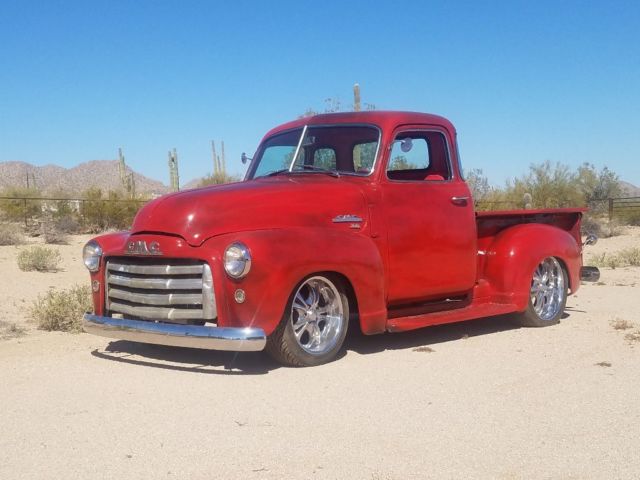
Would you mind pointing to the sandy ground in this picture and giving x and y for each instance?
(480, 399)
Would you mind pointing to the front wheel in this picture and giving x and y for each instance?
(548, 295)
(314, 324)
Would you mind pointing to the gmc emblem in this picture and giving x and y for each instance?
(139, 247)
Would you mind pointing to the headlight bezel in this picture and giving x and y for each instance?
(92, 255)
(239, 255)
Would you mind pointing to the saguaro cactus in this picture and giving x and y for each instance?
(174, 177)
(215, 157)
(219, 162)
(356, 97)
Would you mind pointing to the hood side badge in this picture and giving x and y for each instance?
(353, 220)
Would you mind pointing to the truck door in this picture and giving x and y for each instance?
(431, 228)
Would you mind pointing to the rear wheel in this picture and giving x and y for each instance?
(548, 295)
(314, 324)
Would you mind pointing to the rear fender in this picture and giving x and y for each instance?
(282, 258)
(516, 252)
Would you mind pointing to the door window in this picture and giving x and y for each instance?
(419, 156)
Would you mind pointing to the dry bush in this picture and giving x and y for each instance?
(604, 260)
(62, 310)
(10, 330)
(630, 257)
(600, 226)
(621, 324)
(67, 224)
(10, 234)
(41, 259)
(633, 336)
(52, 234)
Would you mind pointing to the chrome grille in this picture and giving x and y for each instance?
(174, 291)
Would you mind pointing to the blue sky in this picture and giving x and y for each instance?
(523, 81)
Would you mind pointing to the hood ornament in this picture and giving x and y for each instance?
(140, 247)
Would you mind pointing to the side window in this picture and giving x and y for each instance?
(325, 158)
(409, 153)
(419, 156)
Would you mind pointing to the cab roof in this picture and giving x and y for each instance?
(384, 119)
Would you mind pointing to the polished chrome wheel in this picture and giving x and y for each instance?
(317, 315)
(548, 290)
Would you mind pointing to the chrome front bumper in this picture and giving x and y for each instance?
(192, 336)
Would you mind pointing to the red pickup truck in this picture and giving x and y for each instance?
(343, 220)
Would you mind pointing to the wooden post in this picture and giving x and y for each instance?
(25, 212)
(610, 209)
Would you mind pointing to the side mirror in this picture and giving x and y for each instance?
(244, 158)
(591, 240)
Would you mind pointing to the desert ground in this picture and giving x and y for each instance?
(479, 399)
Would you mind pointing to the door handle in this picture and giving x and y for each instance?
(461, 201)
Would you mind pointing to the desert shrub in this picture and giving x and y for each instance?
(631, 219)
(115, 211)
(600, 226)
(621, 324)
(10, 234)
(217, 179)
(630, 257)
(41, 259)
(62, 310)
(10, 330)
(604, 260)
(19, 209)
(52, 234)
(548, 185)
(67, 224)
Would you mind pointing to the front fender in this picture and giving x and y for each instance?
(282, 258)
(516, 252)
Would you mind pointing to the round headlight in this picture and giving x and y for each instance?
(237, 260)
(91, 254)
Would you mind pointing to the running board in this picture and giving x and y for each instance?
(449, 316)
(440, 305)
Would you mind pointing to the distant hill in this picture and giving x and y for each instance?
(96, 173)
(629, 190)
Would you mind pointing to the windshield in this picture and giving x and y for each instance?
(337, 149)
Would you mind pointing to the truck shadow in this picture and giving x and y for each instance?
(259, 363)
(429, 336)
(187, 359)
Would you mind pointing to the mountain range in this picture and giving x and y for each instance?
(50, 179)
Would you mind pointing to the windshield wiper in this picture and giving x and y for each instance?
(313, 168)
(276, 172)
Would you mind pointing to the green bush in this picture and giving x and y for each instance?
(115, 211)
(217, 179)
(548, 185)
(62, 310)
(10, 234)
(17, 210)
(41, 259)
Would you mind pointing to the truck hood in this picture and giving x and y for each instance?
(311, 200)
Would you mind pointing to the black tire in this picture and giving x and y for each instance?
(545, 308)
(282, 344)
